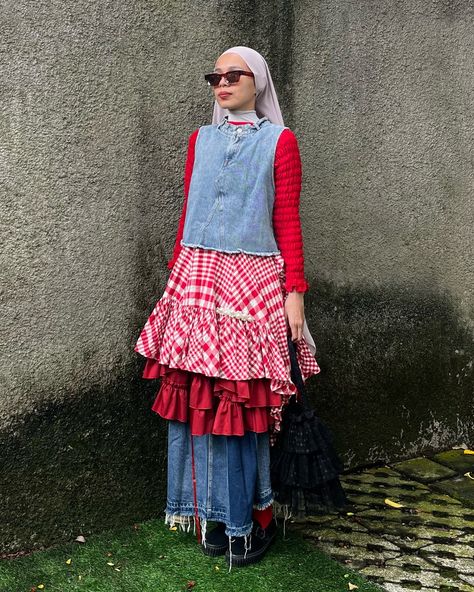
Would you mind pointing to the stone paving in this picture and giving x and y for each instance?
(427, 545)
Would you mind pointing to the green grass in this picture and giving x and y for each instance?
(154, 559)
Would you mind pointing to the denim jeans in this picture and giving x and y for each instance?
(232, 475)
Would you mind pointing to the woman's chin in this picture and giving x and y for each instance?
(226, 104)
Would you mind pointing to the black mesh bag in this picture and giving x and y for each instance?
(305, 466)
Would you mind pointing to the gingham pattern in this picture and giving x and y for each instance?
(202, 322)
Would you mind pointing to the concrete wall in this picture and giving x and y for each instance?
(384, 114)
(98, 100)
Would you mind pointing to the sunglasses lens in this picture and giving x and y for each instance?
(212, 79)
(233, 77)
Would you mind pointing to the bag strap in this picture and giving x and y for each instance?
(296, 376)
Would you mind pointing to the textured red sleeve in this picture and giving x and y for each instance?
(286, 216)
(188, 171)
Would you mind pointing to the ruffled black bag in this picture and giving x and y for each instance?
(305, 466)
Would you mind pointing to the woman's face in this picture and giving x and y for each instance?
(240, 95)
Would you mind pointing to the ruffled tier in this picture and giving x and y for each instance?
(199, 340)
(210, 405)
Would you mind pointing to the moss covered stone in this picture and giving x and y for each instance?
(423, 469)
(456, 460)
(461, 488)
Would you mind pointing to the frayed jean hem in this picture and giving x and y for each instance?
(263, 501)
(185, 516)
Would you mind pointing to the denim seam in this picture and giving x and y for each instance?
(210, 471)
(209, 218)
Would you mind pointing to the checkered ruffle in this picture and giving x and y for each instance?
(222, 315)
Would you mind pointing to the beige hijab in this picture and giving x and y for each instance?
(266, 101)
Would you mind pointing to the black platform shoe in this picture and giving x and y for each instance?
(259, 543)
(217, 542)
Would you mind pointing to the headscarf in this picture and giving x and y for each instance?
(266, 100)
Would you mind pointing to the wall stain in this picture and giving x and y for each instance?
(91, 461)
(395, 365)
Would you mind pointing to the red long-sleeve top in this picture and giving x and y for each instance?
(286, 217)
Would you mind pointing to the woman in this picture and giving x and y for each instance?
(218, 335)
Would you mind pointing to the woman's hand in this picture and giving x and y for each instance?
(294, 314)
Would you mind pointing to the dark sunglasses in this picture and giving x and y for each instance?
(233, 76)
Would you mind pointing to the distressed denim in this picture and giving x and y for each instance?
(232, 189)
(232, 478)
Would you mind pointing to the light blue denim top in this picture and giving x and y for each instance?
(232, 190)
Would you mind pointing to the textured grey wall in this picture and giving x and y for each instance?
(98, 100)
(384, 112)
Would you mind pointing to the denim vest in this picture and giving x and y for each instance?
(232, 190)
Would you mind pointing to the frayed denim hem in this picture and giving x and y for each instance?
(188, 509)
(241, 531)
(247, 252)
(264, 501)
(185, 517)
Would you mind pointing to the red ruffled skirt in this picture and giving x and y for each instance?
(217, 339)
(213, 405)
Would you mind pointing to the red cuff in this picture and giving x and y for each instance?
(292, 286)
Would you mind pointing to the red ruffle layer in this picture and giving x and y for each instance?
(213, 405)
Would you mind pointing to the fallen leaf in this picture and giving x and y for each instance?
(216, 567)
(68, 561)
(468, 474)
(469, 451)
(110, 563)
(116, 569)
(349, 513)
(109, 554)
(190, 585)
(352, 586)
(80, 539)
(79, 577)
(40, 586)
(393, 504)
(173, 528)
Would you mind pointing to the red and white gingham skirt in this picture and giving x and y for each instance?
(218, 339)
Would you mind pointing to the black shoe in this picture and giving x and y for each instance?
(217, 542)
(259, 542)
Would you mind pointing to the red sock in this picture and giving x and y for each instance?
(263, 517)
